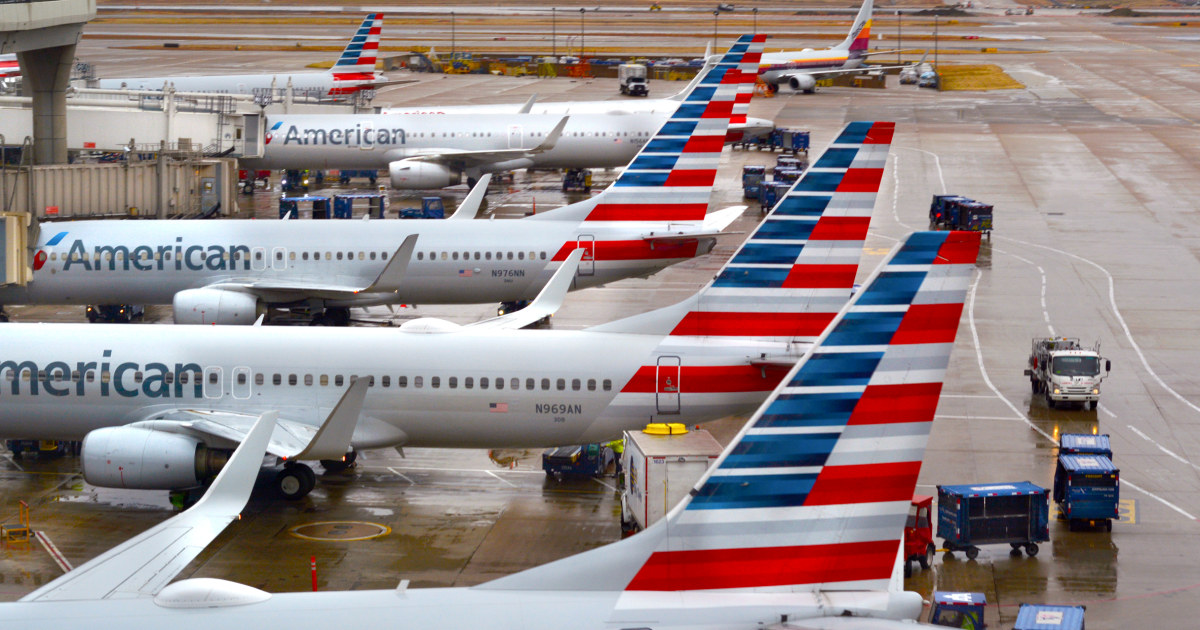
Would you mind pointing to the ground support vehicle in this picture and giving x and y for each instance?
(1046, 617)
(632, 79)
(1062, 370)
(769, 193)
(662, 463)
(289, 207)
(251, 179)
(1085, 444)
(431, 208)
(958, 610)
(955, 212)
(1014, 513)
(345, 175)
(918, 534)
(752, 178)
(588, 460)
(114, 313)
(1087, 490)
(43, 449)
(376, 205)
(577, 179)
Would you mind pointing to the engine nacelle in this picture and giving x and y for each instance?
(216, 306)
(144, 459)
(802, 82)
(415, 174)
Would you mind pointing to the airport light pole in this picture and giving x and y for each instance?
(755, 12)
(582, 38)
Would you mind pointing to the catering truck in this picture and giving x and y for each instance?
(1062, 370)
(661, 464)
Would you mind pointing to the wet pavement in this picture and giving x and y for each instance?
(1093, 173)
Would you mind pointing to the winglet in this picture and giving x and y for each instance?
(389, 279)
(546, 303)
(528, 106)
(144, 564)
(332, 440)
(552, 137)
(719, 220)
(469, 208)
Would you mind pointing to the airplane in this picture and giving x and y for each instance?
(354, 71)
(191, 389)
(740, 127)
(9, 67)
(233, 271)
(798, 524)
(800, 70)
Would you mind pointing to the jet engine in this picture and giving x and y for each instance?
(144, 459)
(415, 174)
(216, 306)
(802, 82)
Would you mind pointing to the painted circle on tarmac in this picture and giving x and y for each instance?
(328, 531)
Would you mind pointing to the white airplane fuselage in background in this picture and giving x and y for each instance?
(456, 262)
(376, 140)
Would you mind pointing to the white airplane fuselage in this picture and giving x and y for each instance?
(435, 384)
(316, 84)
(775, 68)
(148, 262)
(376, 140)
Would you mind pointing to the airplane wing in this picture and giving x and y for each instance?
(547, 301)
(714, 225)
(849, 623)
(142, 566)
(490, 156)
(284, 290)
(289, 440)
(469, 208)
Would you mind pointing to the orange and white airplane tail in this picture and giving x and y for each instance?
(859, 38)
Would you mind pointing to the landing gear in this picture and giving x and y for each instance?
(3, 315)
(332, 317)
(338, 465)
(511, 307)
(295, 481)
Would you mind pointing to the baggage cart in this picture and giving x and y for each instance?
(1046, 617)
(1085, 443)
(1087, 490)
(1014, 513)
(587, 460)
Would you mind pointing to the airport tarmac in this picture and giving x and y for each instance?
(1092, 169)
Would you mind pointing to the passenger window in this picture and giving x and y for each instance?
(607, 385)
(385, 381)
(561, 384)
(241, 378)
(476, 255)
(304, 256)
(435, 381)
(532, 255)
(362, 255)
(339, 255)
(528, 383)
(516, 383)
(401, 381)
(372, 255)
(338, 380)
(455, 256)
(383, 255)
(291, 255)
(277, 379)
(591, 384)
(308, 380)
(258, 379)
(510, 255)
(292, 380)
(418, 381)
(452, 382)
(545, 384)
(543, 256)
(444, 257)
(420, 256)
(324, 380)
(575, 384)
(137, 377)
(487, 255)
(329, 256)
(468, 382)
(483, 382)
(520, 255)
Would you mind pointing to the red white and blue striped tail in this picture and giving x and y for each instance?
(359, 55)
(813, 493)
(796, 271)
(672, 177)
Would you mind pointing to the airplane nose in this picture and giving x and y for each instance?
(758, 127)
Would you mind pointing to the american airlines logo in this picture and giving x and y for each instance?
(40, 257)
(151, 258)
(359, 135)
(128, 380)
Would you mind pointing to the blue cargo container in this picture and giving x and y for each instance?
(752, 178)
(289, 207)
(1015, 513)
(1087, 490)
(1085, 443)
(1045, 617)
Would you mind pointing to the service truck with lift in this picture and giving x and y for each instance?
(632, 79)
(661, 464)
(1062, 370)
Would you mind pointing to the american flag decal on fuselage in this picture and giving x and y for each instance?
(814, 492)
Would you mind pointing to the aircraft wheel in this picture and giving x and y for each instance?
(337, 317)
(295, 481)
(338, 465)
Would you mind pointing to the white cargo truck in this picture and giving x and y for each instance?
(661, 463)
(632, 79)
(1062, 370)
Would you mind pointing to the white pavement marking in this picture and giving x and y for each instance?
(605, 484)
(967, 396)
(988, 381)
(1003, 418)
(12, 460)
(1042, 273)
(55, 554)
(402, 476)
(501, 478)
(1162, 448)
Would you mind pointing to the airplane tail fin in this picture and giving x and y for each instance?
(671, 178)
(813, 493)
(796, 271)
(360, 54)
(859, 38)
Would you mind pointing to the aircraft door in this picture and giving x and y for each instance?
(587, 264)
(258, 258)
(279, 258)
(667, 386)
(212, 382)
(515, 137)
(241, 382)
